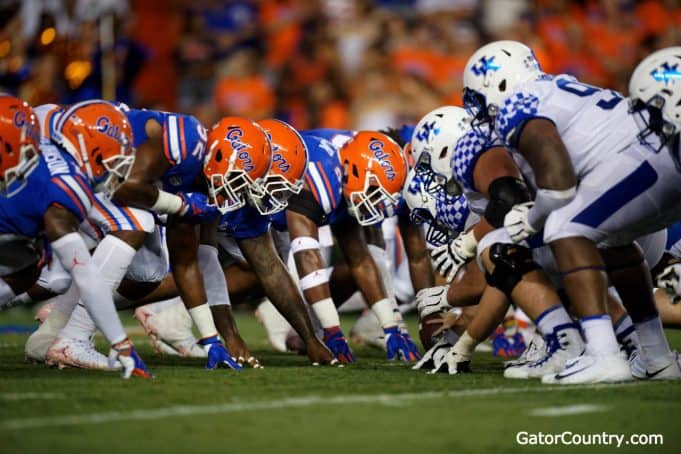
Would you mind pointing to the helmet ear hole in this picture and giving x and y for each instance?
(355, 172)
(502, 86)
(443, 153)
(218, 155)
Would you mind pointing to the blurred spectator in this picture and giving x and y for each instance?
(314, 63)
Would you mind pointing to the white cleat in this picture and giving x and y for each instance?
(41, 339)
(277, 327)
(367, 330)
(65, 352)
(535, 350)
(588, 369)
(170, 330)
(666, 368)
(561, 346)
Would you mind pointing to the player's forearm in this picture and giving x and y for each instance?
(368, 280)
(277, 283)
(139, 194)
(421, 273)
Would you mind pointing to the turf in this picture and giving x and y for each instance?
(372, 406)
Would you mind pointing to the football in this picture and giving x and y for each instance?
(426, 330)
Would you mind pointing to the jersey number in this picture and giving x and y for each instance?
(577, 88)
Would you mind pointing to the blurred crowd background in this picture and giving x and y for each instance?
(315, 63)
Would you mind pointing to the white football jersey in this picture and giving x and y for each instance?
(594, 123)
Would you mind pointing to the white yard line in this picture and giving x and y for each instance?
(294, 402)
(568, 410)
(35, 396)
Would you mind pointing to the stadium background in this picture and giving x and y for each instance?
(321, 63)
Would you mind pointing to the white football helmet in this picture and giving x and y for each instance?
(492, 72)
(434, 139)
(423, 208)
(655, 87)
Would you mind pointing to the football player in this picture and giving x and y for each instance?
(53, 191)
(571, 133)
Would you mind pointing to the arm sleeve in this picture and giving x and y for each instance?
(213, 277)
(75, 258)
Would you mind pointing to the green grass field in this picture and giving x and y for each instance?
(372, 406)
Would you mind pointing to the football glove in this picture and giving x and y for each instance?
(130, 361)
(448, 258)
(516, 222)
(670, 281)
(396, 345)
(412, 349)
(217, 354)
(195, 207)
(434, 358)
(335, 340)
(432, 300)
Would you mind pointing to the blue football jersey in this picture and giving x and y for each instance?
(184, 145)
(55, 181)
(244, 223)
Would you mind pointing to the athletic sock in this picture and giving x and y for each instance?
(626, 334)
(553, 317)
(653, 341)
(80, 326)
(600, 337)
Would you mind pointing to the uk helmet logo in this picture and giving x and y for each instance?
(485, 65)
(667, 73)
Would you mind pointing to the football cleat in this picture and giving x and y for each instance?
(276, 326)
(170, 330)
(587, 369)
(40, 340)
(65, 352)
(562, 345)
(367, 330)
(668, 368)
(131, 363)
(533, 352)
(335, 340)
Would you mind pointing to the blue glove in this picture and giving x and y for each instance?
(414, 354)
(195, 207)
(218, 353)
(396, 345)
(131, 363)
(335, 340)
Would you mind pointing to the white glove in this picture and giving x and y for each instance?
(434, 358)
(432, 300)
(670, 281)
(516, 224)
(449, 258)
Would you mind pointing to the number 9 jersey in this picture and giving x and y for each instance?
(594, 123)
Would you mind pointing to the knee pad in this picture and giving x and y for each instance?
(511, 263)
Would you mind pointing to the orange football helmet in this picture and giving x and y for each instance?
(374, 171)
(289, 163)
(19, 139)
(98, 136)
(239, 157)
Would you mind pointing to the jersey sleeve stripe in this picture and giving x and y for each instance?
(110, 219)
(83, 195)
(183, 145)
(85, 187)
(99, 232)
(329, 191)
(69, 192)
(319, 184)
(166, 146)
(173, 136)
(310, 183)
(131, 219)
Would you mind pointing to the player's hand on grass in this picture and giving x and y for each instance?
(131, 362)
(335, 340)
(218, 355)
(396, 345)
(319, 354)
(240, 352)
(413, 350)
(517, 224)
